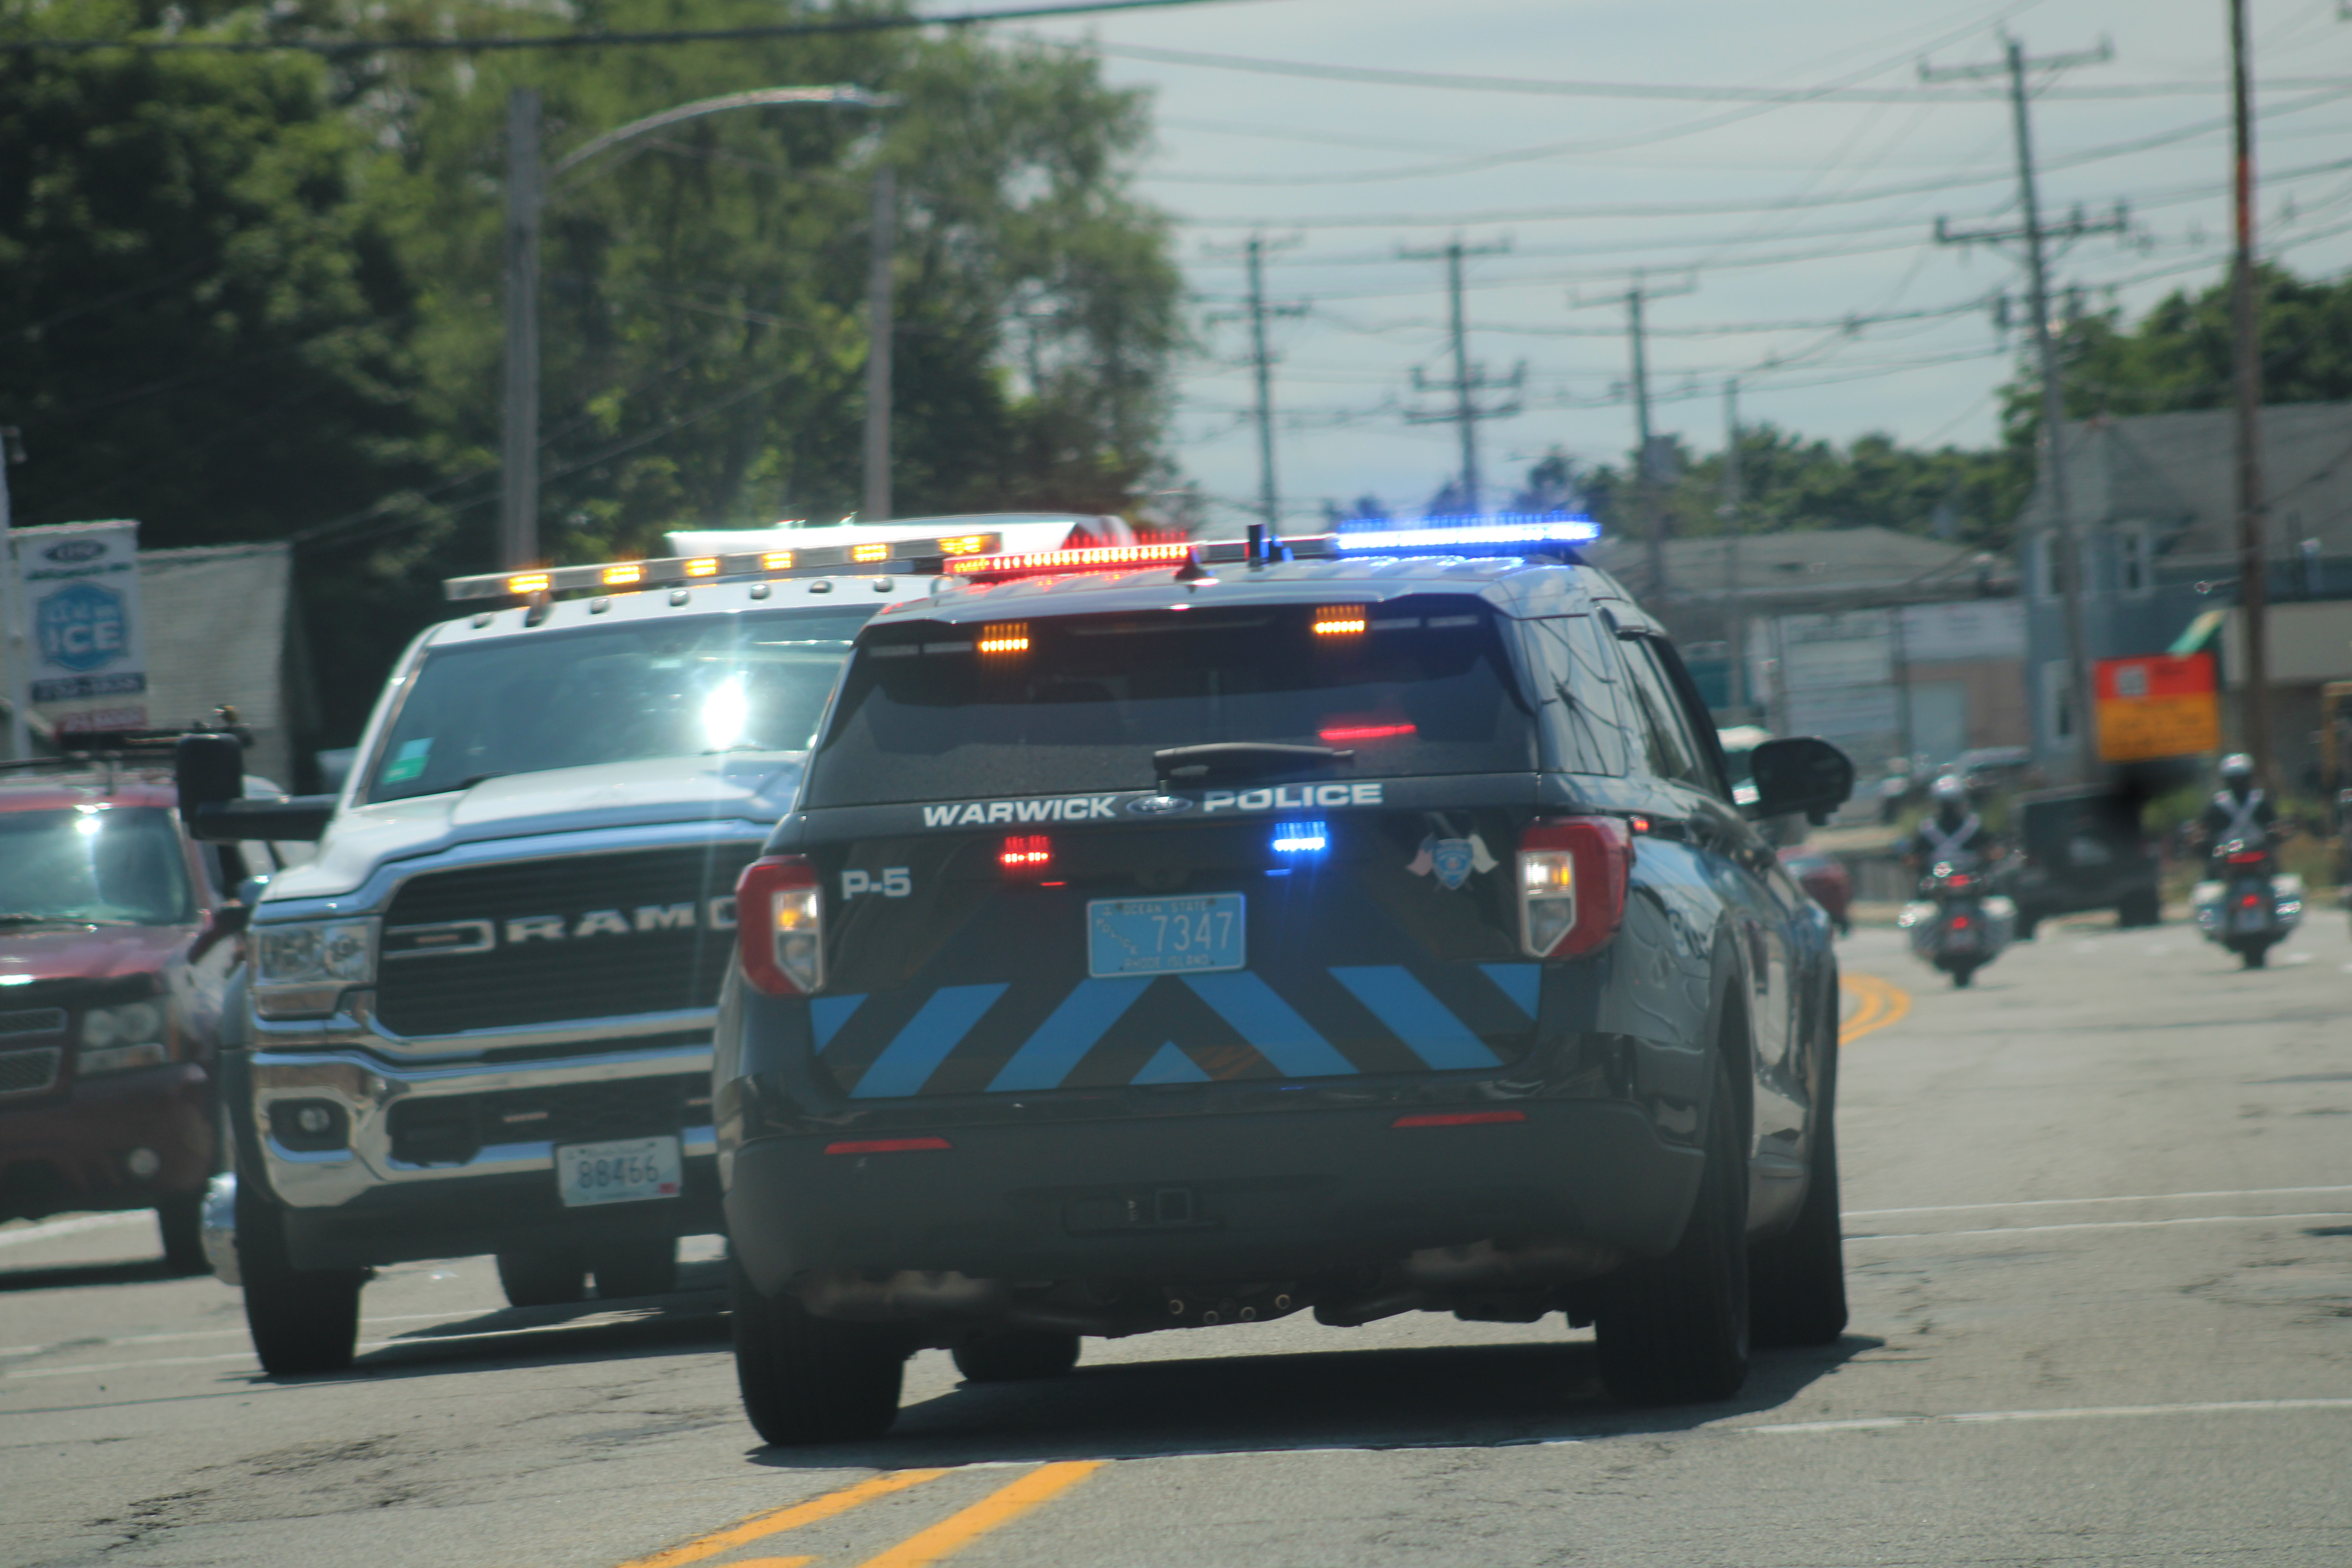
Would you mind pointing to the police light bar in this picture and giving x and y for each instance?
(1501, 535)
(800, 561)
(1104, 558)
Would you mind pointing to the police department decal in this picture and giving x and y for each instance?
(1099, 808)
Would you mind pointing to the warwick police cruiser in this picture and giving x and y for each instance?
(480, 1021)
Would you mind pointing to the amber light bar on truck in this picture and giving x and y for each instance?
(800, 560)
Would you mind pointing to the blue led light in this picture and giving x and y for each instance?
(1301, 839)
(1507, 534)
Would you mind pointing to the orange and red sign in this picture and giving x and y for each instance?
(2164, 705)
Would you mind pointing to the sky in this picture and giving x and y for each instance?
(1789, 244)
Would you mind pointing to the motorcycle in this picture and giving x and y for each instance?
(1958, 924)
(2251, 906)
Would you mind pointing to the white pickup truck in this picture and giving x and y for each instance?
(480, 1020)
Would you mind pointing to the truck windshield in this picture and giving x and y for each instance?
(682, 688)
(929, 712)
(93, 865)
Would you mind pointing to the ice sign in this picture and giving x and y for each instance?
(78, 587)
(82, 626)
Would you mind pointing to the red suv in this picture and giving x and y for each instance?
(118, 935)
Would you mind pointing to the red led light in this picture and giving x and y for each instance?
(1027, 855)
(887, 1145)
(1105, 558)
(1340, 734)
(1458, 1118)
(1960, 922)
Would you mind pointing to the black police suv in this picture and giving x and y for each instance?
(1173, 947)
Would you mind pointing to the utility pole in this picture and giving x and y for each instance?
(518, 490)
(2253, 560)
(2033, 235)
(879, 332)
(1253, 249)
(1736, 623)
(1637, 295)
(1468, 380)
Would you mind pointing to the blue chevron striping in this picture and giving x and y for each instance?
(1169, 1065)
(908, 1061)
(1426, 1026)
(1063, 1040)
(1522, 983)
(828, 1013)
(1270, 1023)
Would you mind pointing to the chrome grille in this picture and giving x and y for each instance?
(29, 1072)
(594, 970)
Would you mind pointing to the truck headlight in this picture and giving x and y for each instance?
(302, 968)
(119, 1038)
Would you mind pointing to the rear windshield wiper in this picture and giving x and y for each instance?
(1244, 757)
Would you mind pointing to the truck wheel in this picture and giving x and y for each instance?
(636, 1268)
(1017, 1355)
(303, 1320)
(813, 1379)
(1797, 1281)
(542, 1276)
(182, 1221)
(1674, 1331)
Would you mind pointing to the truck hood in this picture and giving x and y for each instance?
(739, 787)
(87, 953)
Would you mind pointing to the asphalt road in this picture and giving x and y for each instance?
(2099, 1212)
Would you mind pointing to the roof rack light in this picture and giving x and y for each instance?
(903, 556)
(1500, 535)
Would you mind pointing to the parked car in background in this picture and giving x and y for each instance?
(1824, 877)
(2082, 849)
(118, 936)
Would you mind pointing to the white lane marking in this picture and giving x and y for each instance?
(50, 1229)
(2105, 1225)
(2129, 1198)
(2087, 1413)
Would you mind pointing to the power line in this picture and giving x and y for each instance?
(1261, 365)
(338, 48)
(1468, 380)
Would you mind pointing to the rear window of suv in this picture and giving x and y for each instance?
(928, 711)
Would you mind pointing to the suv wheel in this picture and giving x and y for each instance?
(1675, 1329)
(303, 1320)
(1797, 1281)
(636, 1268)
(542, 1276)
(1016, 1356)
(813, 1379)
(182, 1220)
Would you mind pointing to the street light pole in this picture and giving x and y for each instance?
(528, 190)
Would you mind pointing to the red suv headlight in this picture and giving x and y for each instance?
(1573, 876)
(780, 925)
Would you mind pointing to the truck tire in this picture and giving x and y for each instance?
(636, 1268)
(303, 1320)
(1797, 1281)
(1674, 1331)
(1016, 1356)
(182, 1221)
(813, 1379)
(542, 1276)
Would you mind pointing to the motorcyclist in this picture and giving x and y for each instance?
(2238, 813)
(1951, 833)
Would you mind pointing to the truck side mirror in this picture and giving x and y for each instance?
(209, 770)
(1800, 773)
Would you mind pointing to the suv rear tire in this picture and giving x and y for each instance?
(1675, 1329)
(542, 1276)
(303, 1320)
(1016, 1356)
(1797, 1281)
(647, 1267)
(813, 1379)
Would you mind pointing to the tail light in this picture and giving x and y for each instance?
(1573, 876)
(780, 924)
(1026, 855)
(1956, 882)
(2246, 857)
(1960, 922)
(2250, 899)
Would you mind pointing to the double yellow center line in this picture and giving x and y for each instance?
(1877, 1004)
(951, 1535)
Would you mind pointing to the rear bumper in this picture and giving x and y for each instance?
(1261, 1196)
(73, 1152)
